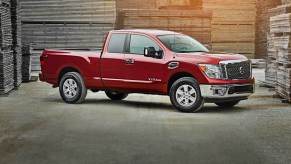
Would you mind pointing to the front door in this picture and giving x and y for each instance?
(144, 74)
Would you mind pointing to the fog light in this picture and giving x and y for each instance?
(219, 90)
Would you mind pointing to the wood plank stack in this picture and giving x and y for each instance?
(26, 63)
(233, 25)
(16, 41)
(160, 4)
(196, 23)
(66, 24)
(262, 26)
(280, 29)
(6, 53)
(272, 65)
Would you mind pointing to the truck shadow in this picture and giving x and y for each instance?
(208, 108)
(160, 106)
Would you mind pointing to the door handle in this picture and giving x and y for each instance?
(129, 61)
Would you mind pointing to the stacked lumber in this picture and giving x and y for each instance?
(196, 23)
(134, 4)
(272, 65)
(160, 4)
(233, 25)
(16, 41)
(26, 63)
(280, 29)
(180, 4)
(286, 1)
(66, 24)
(6, 53)
(262, 26)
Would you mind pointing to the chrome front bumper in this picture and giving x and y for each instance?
(224, 92)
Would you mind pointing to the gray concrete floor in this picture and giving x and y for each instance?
(36, 127)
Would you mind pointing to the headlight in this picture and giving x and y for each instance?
(212, 71)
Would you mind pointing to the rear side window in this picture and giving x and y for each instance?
(116, 43)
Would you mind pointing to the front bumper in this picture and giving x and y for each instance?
(215, 93)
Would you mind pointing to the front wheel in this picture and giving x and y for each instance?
(72, 88)
(227, 104)
(114, 95)
(185, 95)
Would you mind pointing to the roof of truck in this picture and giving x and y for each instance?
(148, 31)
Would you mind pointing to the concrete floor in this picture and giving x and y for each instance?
(36, 127)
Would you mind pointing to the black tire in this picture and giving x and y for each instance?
(80, 89)
(194, 106)
(114, 95)
(227, 104)
(94, 90)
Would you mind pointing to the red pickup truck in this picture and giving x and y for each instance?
(151, 62)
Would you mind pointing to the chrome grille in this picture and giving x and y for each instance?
(238, 70)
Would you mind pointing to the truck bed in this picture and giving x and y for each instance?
(86, 62)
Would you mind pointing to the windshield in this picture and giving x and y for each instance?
(181, 43)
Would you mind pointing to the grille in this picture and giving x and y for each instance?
(238, 70)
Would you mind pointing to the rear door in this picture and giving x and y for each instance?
(144, 74)
(113, 62)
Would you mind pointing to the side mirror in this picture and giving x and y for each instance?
(151, 52)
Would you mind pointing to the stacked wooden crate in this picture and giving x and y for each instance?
(262, 26)
(6, 53)
(66, 24)
(233, 25)
(196, 23)
(280, 30)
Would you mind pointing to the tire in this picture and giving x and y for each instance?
(72, 88)
(185, 95)
(114, 95)
(227, 104)
(94, 90)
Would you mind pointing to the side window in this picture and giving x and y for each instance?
(139, 42)
(116, 43)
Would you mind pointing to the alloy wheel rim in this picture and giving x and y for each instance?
(70, 88)
(186, 95)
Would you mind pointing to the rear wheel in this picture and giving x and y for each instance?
(72, 88)
(114, 95)
(185, 95)
(227, 104)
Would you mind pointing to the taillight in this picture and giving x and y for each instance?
(43, 58)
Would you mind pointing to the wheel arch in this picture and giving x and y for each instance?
(175, 77)
(65, 70)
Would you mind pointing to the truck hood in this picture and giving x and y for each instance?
(209, 57)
